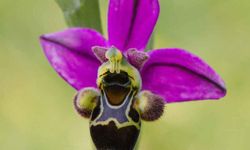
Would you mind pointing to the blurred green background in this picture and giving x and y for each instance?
(36, 110)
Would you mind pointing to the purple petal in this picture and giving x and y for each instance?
(100, 52)
(69, 52)
(131, 22)
(178, 75)
(137, 58)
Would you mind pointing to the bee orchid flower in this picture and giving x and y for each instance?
(118, 83)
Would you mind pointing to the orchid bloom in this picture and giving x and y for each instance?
(118, 83)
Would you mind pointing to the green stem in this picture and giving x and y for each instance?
(81, 13)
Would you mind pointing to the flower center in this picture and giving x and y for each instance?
(117, 87)
(115, 57)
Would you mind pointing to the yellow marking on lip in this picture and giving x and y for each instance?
(119, 125)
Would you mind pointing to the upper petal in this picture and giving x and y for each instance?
(178, 75)
(69, 52)
(131, 22)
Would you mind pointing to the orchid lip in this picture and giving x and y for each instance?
(116, 86)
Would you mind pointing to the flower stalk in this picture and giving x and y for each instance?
(81, 13)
